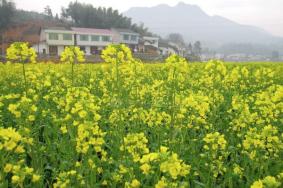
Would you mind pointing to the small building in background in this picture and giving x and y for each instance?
(149, 45)
(166, 49)
(126, 36)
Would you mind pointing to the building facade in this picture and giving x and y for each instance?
(53, 41)
(91, 41)
(126, 36)
(149, 45)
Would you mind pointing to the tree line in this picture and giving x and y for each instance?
(75, 14)
(78, 14)
(7, 10)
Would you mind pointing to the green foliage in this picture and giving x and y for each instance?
(6, 12)
(124, 125)
(174, 124)
(72, 55)
(85, 15)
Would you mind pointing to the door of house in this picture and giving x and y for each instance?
(53, 50)
(94, 50)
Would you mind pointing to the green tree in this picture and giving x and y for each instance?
(190, 49)
(48, 12)
(7, 10)
(197, 48)
(176, 38)
(85, 15)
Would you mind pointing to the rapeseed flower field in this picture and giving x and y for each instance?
(123, 123)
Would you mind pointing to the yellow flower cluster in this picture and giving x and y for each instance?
(21, 52)
(176, 64)
(72, 54)
(264, 143)
(65, 179)
(134, 184)
(215, 152)
(136, 145)
(269, 182)
(214, 142)
(20, 173)
(117, 54)
(221, 123)
(175, 167)
(12, 141)
(168, 163)
(89, 135)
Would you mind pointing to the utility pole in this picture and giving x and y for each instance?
(75, 39)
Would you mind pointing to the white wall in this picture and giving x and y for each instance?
(39, 47)
(167, 51)
(87, 50)
(60, 50)
(128, 41)
(93, 43)
(60, 40)
(153, 41)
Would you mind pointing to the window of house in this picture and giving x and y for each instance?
(95, 38)
(105, 38)
(83, 37)
(67, 36)
(133, 38)
(126, 37)
(53, 36)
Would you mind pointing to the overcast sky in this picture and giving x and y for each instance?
(267, 14)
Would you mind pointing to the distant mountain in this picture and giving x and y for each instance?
(194, 24)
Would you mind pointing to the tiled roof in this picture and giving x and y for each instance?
(121, 30)
(167, 45)
(58, 28)
(92, 30)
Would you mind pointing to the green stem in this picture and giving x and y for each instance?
(25, 79)
(117, 78)
(173, 99)
(72, 74)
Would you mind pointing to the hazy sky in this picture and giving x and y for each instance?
(267, 14)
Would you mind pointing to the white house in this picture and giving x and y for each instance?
(126, 36)
(149, 45)
(151, 41)
(53, 40)
(92, 41)
(166, 49)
